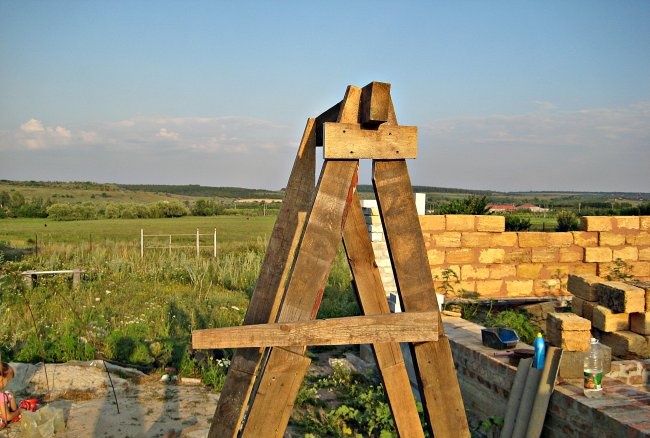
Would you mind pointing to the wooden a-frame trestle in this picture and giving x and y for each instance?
(270, 363)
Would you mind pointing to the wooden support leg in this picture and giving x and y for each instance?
(265, 301)
(314, 260)
(434, 362)
(372, 297)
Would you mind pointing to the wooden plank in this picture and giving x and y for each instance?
(387, 142)
(313, 263)
(375, 103)
(544, 392)
(389, 327)
(289, 368)
(439, 383)
(372, 298)
(516, 392)
(264, 303)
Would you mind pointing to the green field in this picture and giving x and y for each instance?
(24, 233)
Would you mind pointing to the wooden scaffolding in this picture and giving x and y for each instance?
(270, 363)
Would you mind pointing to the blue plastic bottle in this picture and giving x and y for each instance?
(540, 351)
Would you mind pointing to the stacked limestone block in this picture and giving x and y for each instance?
(382, 258)
(572, 333)
(619, 313)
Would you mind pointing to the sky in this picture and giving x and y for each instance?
(507, 95)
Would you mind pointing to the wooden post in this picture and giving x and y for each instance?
(141, 243)
(301, 252)
(198, 246)
(76, 278)
(214, 244)
(170, 244)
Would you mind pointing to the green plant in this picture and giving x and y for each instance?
(518, 321)
(567, 221)
(471, 205)
(517, 223)
(620, 271)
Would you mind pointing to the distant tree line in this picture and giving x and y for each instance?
(15, 205)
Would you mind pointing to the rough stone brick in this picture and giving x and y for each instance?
(370, 211)
(533, 239)
(462, 255)
(642, 238)
(627, 254)
(373, 220)
(645, 285)
(576, 306)
(447, 239)
(529, 271)
(491, 223)
(492, 255)
(568, 331)
(571, 254)
(377, 237)
(627, 222)
(608, 238)
(584, 286)
(545, 255)
(431, 223)
(460, 222)
(475, 239)
(644, 254)
(436, 256)
(644, 223)
(518, 288)
(502, 271)
(584, 268)
(588, 309)
(472, 272)
(560, 239)
(598, 255)
(620, 297)
(626, 344)
(597, 223)
(572, 363)
(490, 288)
(567, 322)
(585, 238)
(604, 319)
(518, 256)
(640, 323)
(506, 239)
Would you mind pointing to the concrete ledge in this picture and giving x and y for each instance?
(485, 382)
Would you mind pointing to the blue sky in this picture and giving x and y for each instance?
(507, 95)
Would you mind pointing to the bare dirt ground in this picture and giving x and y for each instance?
(147, 406)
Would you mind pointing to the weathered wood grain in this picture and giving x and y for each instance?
(349, 141)
(317, 249)
(354, 330)
(372, 298)
(439, 384)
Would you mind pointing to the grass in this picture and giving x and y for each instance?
(23, 233)
(132, 309)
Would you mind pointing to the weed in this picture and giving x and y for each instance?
(620, 271)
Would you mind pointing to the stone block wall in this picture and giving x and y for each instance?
(500, 264)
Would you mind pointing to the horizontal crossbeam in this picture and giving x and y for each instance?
(367, 329)
(387, 142)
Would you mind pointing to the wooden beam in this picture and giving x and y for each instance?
(316, 253)
(375, 103)
(438, 380)
(372, 298)
(354, 330)
(387, 142)
(265, 301)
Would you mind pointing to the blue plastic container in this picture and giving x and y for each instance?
(499, 338)
(540, 351)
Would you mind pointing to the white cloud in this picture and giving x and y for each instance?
(169, 135)
(32, 125)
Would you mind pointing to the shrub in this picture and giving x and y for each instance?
(517, 223)
(472, 205)
(567, 221)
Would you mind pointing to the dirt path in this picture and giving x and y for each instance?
(147, 406)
